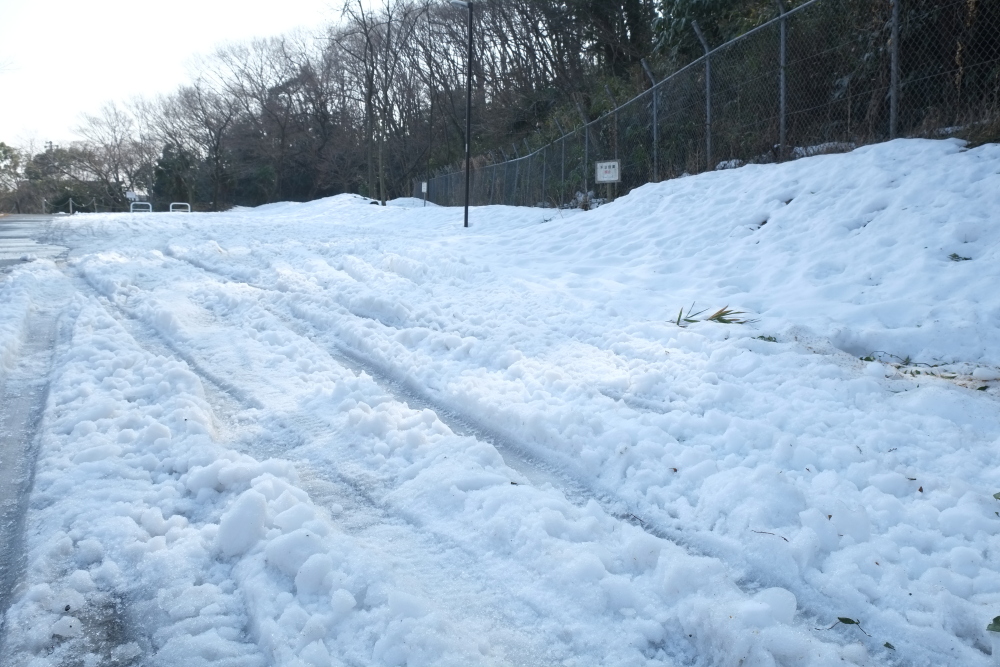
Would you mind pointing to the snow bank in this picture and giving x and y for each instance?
(558, 332)
(634, 490)
(890, 247)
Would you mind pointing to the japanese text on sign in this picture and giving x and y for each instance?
(608, 172)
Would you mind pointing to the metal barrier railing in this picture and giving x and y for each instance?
(71, 205)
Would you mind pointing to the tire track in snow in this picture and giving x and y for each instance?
(561, 479)
(23, 396)
(352, 499)
(108, 621)
(110, 630)
(538, 471)
(572, 486)
(228, 401)
(115, 624)
(515, 454)
(403, 389)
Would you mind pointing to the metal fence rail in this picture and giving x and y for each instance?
(826, 76)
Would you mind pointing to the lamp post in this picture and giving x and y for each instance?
(468, 110)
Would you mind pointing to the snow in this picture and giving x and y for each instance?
(16, 295)
(334, 433)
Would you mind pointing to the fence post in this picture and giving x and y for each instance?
(708, 95)
(894, 72)
(517, 172)
(562, 164)
(506, 168)
(656, 122)
(614, 105)
(782, 60)
(493, 180)
(527, 186)
(586, 148)
(545, 161)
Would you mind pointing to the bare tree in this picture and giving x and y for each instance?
(368, 103)
(113, 153)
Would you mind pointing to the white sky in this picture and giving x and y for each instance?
(61, 58)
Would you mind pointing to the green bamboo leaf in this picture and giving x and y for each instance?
(995, 625)
(889, 646)
(847, 621)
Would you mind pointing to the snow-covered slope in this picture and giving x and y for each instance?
(499, 445)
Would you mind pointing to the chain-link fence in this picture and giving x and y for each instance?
(825, 76)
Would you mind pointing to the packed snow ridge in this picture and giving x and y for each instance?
(334, 433)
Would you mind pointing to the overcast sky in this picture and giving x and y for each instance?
(61, 58)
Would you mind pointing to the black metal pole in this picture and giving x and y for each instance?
(782, 61)
(708, 95)
(468, 122)
(894, 71)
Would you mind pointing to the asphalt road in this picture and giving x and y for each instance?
(21, 239)
(23, 393)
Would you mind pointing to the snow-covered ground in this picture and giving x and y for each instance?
(334, 433)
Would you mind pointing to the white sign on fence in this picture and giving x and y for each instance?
(608, 172)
